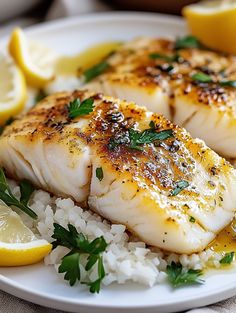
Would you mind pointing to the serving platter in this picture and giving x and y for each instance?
(40, 284)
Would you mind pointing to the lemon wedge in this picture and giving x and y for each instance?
(12, 90)
(18, 245)
(35, 60)
(213, 23)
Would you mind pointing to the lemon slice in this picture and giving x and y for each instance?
(18, 245)
(36, 61)
(12, 90)
(213, 23)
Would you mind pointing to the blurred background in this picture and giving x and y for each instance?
(27, 12)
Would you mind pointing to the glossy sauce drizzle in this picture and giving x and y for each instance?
(225, 240)
(70, 65)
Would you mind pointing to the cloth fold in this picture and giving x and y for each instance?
(58, 9)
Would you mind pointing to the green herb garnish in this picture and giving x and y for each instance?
(147, 136)
(165, 57)
(187, 42)
(178, 276)
(79, 245)
(202, 78)
(95, 71)
(135, 139)
(192, 219)
(152, 125)
(8, 122)
(228, 258)
(7, 197)
(179, 186)
(26, 190)
(77, 108)
(228, 83)
(99, 173)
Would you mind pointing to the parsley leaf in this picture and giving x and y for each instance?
(77, 108)
(95, 286)
(165, 57)
(228, 258)
(178, 277)
(228, 83)
(136, 139)
(26, 190)
(202, 78)
(7, 197)
(187, 42)
(70, 266)
(95, 71)
(179, 186)
(99, 173)
(192, 219)
(79, 245)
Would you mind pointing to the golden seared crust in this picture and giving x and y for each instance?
(158, 165)
(133, 65)
(154, 186)
(211, 95)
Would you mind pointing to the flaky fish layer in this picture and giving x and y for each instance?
(174, 193)
(152, 72)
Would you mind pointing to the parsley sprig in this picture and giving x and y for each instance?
(168, 58)
(9, 199)
(227, 258)
(79, 245)
(187, 42)
(204, 78)
(77, 108)
(135, 139)
(95, 71)
(177, 276)
(99, 173)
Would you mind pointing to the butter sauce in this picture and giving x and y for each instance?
(73, 65)
(225, 240)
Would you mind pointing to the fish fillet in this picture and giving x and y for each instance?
(165, 85)
(140, 185)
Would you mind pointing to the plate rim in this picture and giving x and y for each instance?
(46, 299)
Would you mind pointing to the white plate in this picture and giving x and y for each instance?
(40, 284)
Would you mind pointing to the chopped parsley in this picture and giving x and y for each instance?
(152, 125)
(79, 246)
(9, 199)
(135, 139)
(178, 276)
(95, 71)
(227, 258)
(228, 83)
(77, 108)
(165, 57)
(201, 78)
(99, 173)
(192, 219)
(187, 42)
(204, 78)
(179, 186)
(26, 190)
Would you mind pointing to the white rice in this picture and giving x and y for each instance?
(125, 259)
